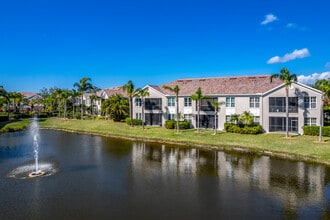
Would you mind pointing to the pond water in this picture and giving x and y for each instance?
(105, 178)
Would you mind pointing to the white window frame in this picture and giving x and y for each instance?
(254, 102)
(187, 102)
(310, 121)
(171, 101)
(230, 102)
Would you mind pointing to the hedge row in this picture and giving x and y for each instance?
(135, 121)
(314, 130)
(233, 128)
(3, 118)
(171, 124)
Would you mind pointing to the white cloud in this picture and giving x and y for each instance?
(310, 79)
(290, 56)
(268, 19)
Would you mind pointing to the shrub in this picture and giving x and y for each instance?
(241, 129)
(101, 117)
(183, 124)
(43, 115)
(170, 124)
(314, 130)
(4, 118)
(135, 121)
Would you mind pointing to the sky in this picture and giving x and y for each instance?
(55, 43)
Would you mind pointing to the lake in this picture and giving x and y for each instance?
(96, 177)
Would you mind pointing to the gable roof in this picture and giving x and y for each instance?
(30, 95)
(115, 90)
(223, 85)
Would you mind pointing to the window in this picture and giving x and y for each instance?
(277, 104)
(256, 120)
(187, 102)
(254, 102)
(153, 104)
(206, 104)
(228, 118)
(279, 124)
(170, 117)
(310, 102)
(310, 121)
(138, 102)
(170, 101)
(138, 116)
(188, 117)
(230, 102)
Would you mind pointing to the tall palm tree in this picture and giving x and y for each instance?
(198, 97)
(84, 85)
(176, 90)
(16, 98)
(64, 94)
(131, 92)
(288, 79)
(143, 93)
(324, 86)
(58, 97)
(74, 95)
(216, 106)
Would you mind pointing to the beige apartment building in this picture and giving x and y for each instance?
(255, 94)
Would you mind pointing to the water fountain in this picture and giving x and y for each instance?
(35, 169)
(35, 135)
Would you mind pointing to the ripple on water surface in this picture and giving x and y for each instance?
(22, 172)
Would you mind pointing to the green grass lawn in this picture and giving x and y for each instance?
(14, 125)
(296, 147)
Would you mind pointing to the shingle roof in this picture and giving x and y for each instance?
(115, 90)
(223, 85)
(29, 95)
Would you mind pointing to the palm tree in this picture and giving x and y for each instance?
(216, 106)
(176, 90)
(198, 97)
(4, 94)
(83, 86)
(324, 86)
(246, 118)
(143, 93)
(116, 107)
(16, 98)
(74, 95)
(64, 95)
(131, 92)
(288, 79)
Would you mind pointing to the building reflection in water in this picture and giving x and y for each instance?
(294, 184)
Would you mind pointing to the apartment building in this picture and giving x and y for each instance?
(255, 94)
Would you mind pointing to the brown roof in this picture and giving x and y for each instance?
(29, 95)
(223, 85)
(115, 90)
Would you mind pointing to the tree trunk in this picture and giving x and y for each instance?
(198, 112)
(82, 107)
(321, 119)
(287, 112)
(131, 110)
(215, 123)
(177, 115)
(65, 109)
(142, 116)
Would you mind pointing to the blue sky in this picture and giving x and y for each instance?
(54, 43)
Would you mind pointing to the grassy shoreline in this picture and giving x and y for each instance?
(303, 148)
(14, 125)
